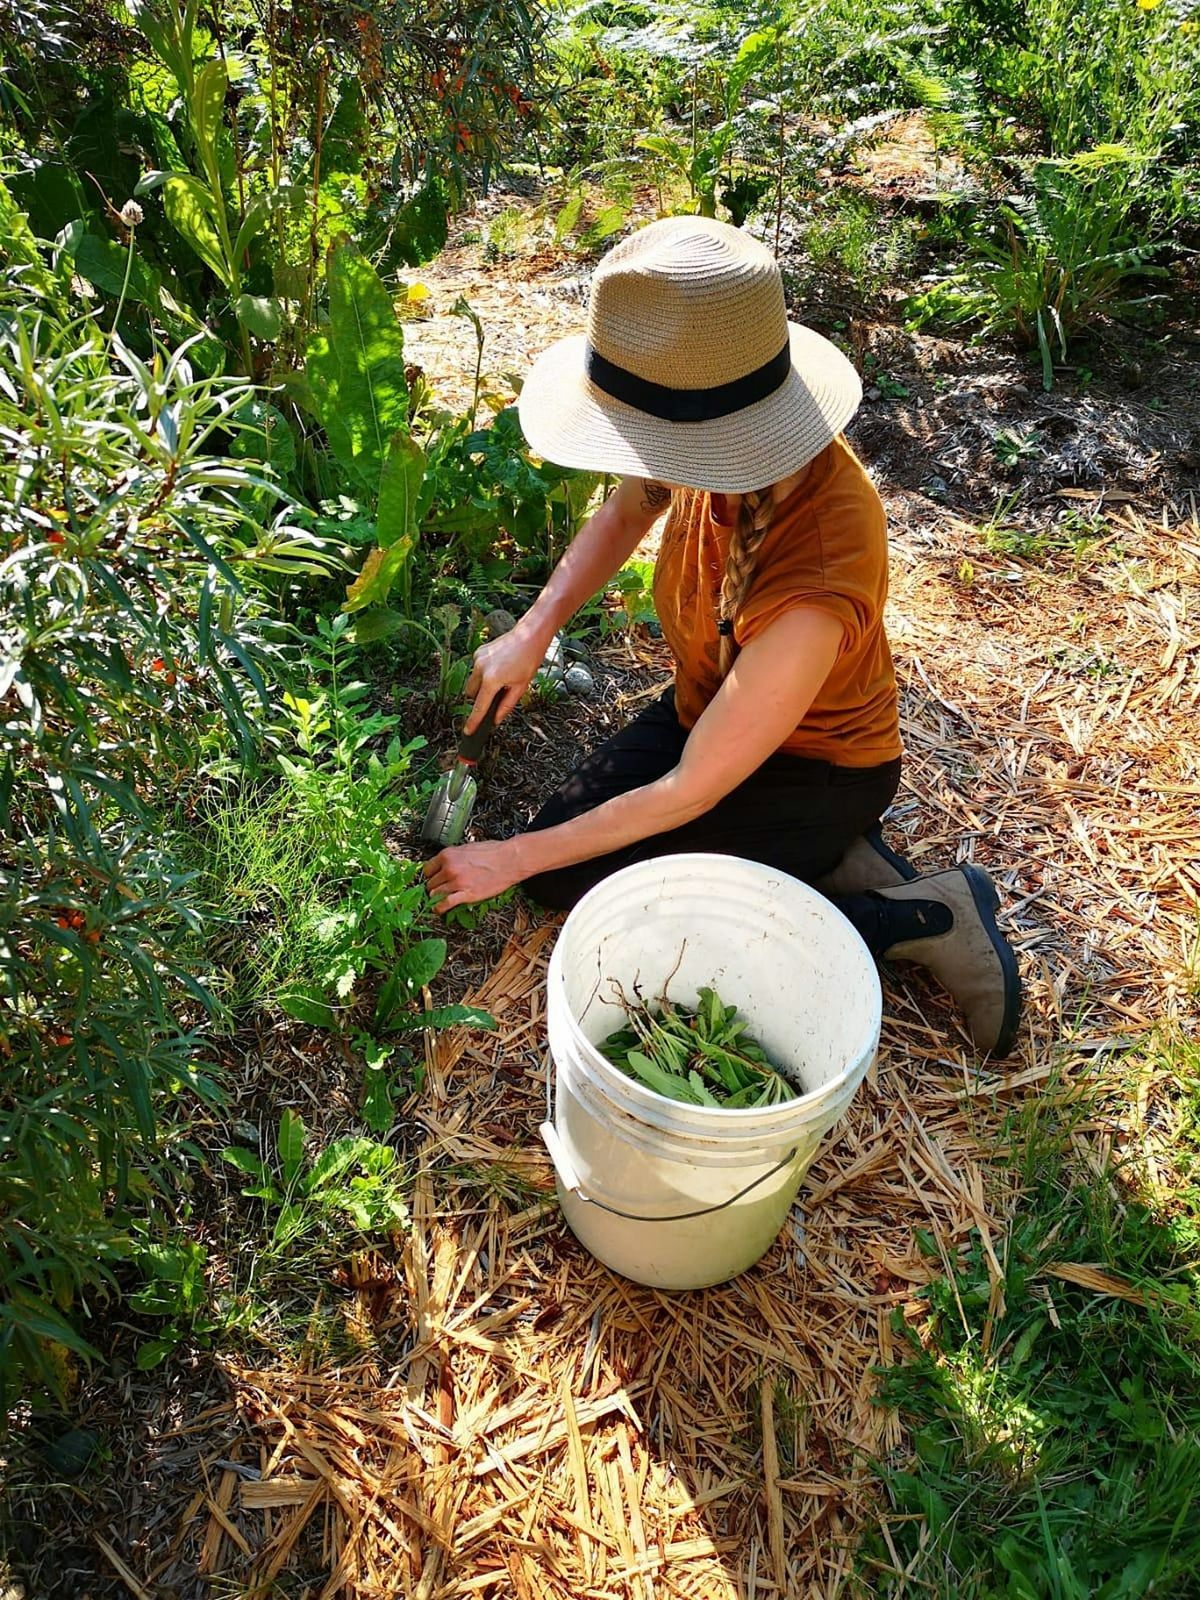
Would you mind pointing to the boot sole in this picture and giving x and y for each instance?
(987, 903)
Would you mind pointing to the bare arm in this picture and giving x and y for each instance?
(768, 690)
(596, 553)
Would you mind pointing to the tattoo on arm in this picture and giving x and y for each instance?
(654, 495)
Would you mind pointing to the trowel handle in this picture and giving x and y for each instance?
(470, 746)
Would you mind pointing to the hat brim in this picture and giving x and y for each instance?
(569, 421)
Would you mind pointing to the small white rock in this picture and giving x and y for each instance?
(579, 681)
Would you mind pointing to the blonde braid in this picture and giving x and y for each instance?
(754, 518)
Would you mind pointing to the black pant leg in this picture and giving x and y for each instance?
(792, 813)
(646, 749)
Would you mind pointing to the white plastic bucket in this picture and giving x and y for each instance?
(680, 1196)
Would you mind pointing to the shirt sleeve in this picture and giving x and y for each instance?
(803, 566)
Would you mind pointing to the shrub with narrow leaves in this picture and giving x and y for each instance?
(130, 655)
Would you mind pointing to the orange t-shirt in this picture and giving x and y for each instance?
(826, 547)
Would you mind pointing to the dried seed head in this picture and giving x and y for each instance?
(132, 214)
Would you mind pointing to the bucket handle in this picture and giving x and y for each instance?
(570, 1180)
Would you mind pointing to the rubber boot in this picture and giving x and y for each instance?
(972, 958)
(867, 864)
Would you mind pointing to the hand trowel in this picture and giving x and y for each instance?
(453, 800)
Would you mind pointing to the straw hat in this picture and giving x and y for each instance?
(690, 371)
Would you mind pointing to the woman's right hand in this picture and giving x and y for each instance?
(505, 666)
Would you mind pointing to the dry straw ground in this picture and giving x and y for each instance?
(520, 1422)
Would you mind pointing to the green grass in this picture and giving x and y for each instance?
(1057, 1442)
(261, 874)
(849, 238)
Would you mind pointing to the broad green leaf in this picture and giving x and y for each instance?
(334, 1160)
(154, 1351)
(307, 1005)
(258, 214)
(419, 231)
(656, 1078)
(207, 108)
(399, 486)
(347, 133)
(244, 1161)
(611, 220)
(189, 207)
(373, 626)
(261, 314)
(700, 1090)
(568, 217)
(264, 434)
(355, 368)
(755, 51)
(168, 32)
(103, 262)
(50, 193)
(378, 1108)
(291, 1144)
(673, 150)
(420, 964)
(446, 1017)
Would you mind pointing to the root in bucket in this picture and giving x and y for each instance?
(703, 1057)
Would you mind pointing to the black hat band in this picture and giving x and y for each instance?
(688, 405)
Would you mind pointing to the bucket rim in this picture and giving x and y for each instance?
(858, 1059)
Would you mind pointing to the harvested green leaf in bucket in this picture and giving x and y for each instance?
(703, 1057)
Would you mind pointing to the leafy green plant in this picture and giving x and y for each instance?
(634, 588)
(503, 235)
(454, 667)
(175, 1293)
(196, 201)
(252, 150)
(1063, 257)
(133, 654)
(1094, 75)
(337, 795)
(720, 78)
(318, 911)
(353, 1181)
(358, 389)
(1012, 446)
(582, 222)
(846, 237)
(491, 499)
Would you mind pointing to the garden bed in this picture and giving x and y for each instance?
(502, 1416)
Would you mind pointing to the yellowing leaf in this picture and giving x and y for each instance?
(379, 572)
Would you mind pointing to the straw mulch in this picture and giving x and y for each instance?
(520, 1422)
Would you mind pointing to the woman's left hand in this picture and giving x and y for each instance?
(464, 874)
